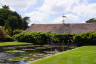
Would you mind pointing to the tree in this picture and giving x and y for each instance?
(5, 6)
(91, 20)
(4, 13)
(25, 21)
(11, 20)
(12, 24)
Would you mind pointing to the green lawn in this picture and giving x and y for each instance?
(12, 43)
(82, 55)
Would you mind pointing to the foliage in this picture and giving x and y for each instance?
(11, 20)
(88, 38)
(91, 20)
(34, 37)
(17, 31)
(41, 38)
(25, 22)
(3, 36)
(63, 39)
(2, 33)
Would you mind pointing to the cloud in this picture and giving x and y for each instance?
(36, 17)
(53, 7)
(58, 20)
(81, 13)
(57, 6)
(85, 10)
(75, 10)
(52, 10)
(21, 5)
(70, 18)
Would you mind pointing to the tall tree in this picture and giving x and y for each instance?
(11, 20)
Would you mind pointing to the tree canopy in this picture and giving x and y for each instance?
(91, 20)
(11, 20)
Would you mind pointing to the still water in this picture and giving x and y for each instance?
(23, 56)
(19, 57)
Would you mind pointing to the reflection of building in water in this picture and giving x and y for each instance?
(63, 28)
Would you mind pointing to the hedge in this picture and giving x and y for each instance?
(41, 38)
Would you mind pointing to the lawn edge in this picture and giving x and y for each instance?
(30, 62)
(15, 44)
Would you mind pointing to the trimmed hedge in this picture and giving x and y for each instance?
(88, 38)
(34, 37)
(41, 38)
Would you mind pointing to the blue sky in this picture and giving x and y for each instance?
(51, 11)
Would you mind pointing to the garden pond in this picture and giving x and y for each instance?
(26, 54)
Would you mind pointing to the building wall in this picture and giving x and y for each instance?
(63, 28)
(81, 28)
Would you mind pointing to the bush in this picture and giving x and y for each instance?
(3, 36)
(62, 39)
(41, 38)
(8, 39)
(34, 37)
(17, 31)
(88, 38)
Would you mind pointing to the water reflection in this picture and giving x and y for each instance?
(20, 62)
(25, 55)
(6, 56)
(19, 57)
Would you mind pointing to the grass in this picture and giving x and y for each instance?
(82, 55)
(12, 43)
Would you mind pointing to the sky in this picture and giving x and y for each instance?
(51, 11)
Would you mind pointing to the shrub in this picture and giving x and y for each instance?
(34, 37)
(62, 39)
(17, 31)
(3, 36)
(88, 38)
(8, 39)
(41, 38)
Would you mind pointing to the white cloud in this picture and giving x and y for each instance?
(52, 7)
(75, 10)
(88, 10)
(80, 10)
(36, 16)
(70, 18)
(57, 6)
(58, 20)
(21, 5)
